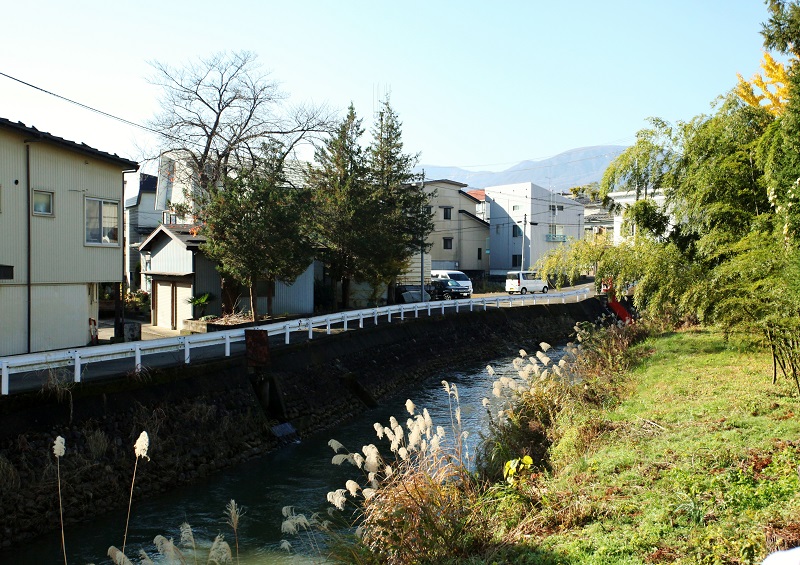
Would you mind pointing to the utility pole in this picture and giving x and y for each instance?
(422, 255)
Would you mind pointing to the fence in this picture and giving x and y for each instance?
(81, 357)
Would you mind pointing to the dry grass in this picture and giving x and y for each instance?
(97, 443)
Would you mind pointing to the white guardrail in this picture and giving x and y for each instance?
(136, 349)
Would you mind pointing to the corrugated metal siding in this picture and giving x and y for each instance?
(13, 320)
(13, 208)
(295, 299)
(169, 256)
(60, 316)
(411, 276)
(207, 279)
(58, 242)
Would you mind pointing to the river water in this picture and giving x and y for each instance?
(299, 474)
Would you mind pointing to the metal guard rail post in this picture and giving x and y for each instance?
(79, 358)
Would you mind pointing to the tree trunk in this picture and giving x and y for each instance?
(345, 292)
(270, 294)
(253, 302)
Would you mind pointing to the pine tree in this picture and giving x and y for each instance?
(344, 206)
(405, 221)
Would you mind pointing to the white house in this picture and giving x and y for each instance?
(526, 221)
(60, 237)
(624, 200)
(141, 218)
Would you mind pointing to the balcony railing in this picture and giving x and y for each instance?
(555, 237)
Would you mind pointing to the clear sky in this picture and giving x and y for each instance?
(477, 84)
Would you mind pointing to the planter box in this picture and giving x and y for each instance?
(202, 327)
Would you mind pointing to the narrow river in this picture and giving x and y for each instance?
(299, 474)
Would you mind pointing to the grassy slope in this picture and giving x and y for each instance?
(691, 467)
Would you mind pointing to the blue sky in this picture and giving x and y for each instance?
(479, 85)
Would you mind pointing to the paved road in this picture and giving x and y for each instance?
(105, 370)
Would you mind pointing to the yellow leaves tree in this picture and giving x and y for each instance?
(774, 89)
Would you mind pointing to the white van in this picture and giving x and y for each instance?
(457, 276)
(524, 282)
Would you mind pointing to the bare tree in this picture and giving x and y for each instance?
(220, 110)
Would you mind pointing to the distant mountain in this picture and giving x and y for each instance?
(571, 168)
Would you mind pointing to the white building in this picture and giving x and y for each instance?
(624, 200)
(141, 218)
(526, 221)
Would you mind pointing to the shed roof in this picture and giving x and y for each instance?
(181, 233)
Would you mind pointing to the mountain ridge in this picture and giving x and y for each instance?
(559, 173)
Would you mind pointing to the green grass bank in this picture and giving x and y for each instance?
(695, 462)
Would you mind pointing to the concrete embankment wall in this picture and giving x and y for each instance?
(203, 418)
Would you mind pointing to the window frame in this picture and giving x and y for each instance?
(447, 213)
(52, 211)
(516, 231)
(447, 243)
(103, 202)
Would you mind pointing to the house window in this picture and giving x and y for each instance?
(516, 231)
(480, 253)
(42, 203)
(102, 222)
(554, 207)
(515, 207)
(447, 242)
(448, 213)
(516, 260)
(497, 228)
(556, 229)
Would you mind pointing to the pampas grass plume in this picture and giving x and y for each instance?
(335, 445)
(118, 557)
(141, 446)
(352, 487)
(220, 552)
(234, 513)
(410, 406)
(59, 447)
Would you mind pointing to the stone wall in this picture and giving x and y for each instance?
(203, 418)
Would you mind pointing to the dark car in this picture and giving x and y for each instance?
(445, 289)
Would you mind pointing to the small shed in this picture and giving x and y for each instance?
(180, 271)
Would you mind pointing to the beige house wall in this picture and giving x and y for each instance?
(72, 178)
(467, 234)
(14, 324)
(64, 270)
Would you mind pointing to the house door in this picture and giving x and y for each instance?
(172, 304)
(163, 304)
(183, 310)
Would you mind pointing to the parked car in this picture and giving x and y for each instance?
(524, 282)
(446, 289)
(409, 293)
(457, 276)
